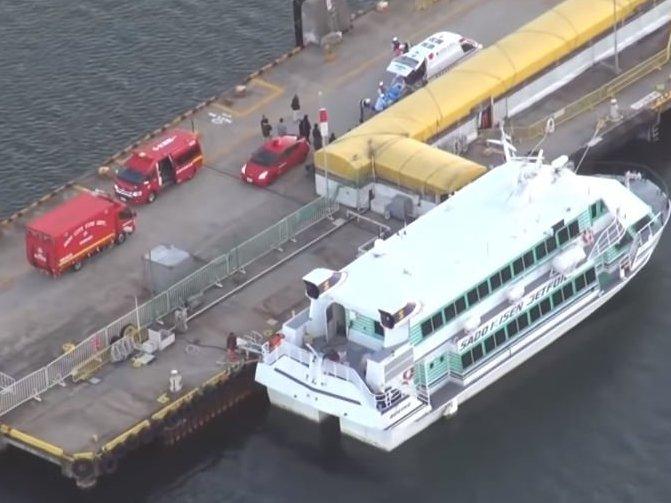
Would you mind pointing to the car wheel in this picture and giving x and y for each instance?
(121, 238)
(77, 266)
(151, 198)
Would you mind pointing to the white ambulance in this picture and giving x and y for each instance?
(432, 57)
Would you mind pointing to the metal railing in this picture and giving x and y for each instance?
(591, 100)
(608, 237)
(175, 297)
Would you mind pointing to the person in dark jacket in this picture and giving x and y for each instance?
(317, 140)
(266, 128)
(304, 128)
(332, 138)
(296, 108)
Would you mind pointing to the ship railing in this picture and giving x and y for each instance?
(380, 401)
(608, 237)
(95, 348)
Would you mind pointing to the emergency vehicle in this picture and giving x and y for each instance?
(172, 158)
(80, 227)
(432, 57)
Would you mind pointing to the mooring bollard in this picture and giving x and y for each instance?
(175, 382)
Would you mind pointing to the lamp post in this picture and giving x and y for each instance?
(616, 53)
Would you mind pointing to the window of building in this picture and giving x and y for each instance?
(580, 282)
(528, 259)
(512, 329)
(477, 352)
(590, 276)
(557, 298)
(490, 344)
(449, 312)
(426, 327)
(466, 360)
(377, 328)
(540, 251)
(573, 229)
(567, 290)
(483, 290)
(437, 320)
(505, 274)
(522, 321)
(500, 336)
(562, 236)
(472, 297)
(535, 313)
(518, 266)
(550, 244)
(495, 281)
(545, 306)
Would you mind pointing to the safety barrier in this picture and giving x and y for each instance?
(591, 100)
(177, 296)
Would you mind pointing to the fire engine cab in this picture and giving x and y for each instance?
(172, 158)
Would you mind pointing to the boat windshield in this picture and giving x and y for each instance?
(131, 176)
(264, 157)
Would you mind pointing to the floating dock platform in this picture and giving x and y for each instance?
(63, 399)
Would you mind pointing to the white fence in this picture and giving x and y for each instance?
(33, 385)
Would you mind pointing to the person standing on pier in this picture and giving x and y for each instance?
(332, 138)
(304, 128)
(396, 46)
(296, 108)
(364, 104)
(266, 128)
(281, 127)
(317, 140)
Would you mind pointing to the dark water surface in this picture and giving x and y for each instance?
(587, 420)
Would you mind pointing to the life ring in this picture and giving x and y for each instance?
(408, 374)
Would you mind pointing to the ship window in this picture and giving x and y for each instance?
(528, 259)
(489, 344)
(477, 352)
(500, 336)
(556, 298)
(437, 320)
(449, 313)
(535, 313)
(460, 304)
(626, 239)
(573, 229)
(518, 266)
(495, 281)
(426, 327)
(567, 290)
(505, 274)
(593, 211)
(550, 244)
(545, 306)
(641, 223)
(483, 290)
(472, 297)
(562, 236)
(431, 365)
(466, 360)
(540, 251)
(580, 282)
(512, 329)
(590, 276)
(377, 328)
(522, 321)
(442, 358)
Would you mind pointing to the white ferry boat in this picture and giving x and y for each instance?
(440, 310)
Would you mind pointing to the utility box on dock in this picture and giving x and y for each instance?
(166, 265)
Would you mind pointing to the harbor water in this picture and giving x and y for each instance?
(589, 419)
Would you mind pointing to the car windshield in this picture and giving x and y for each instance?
(407, 61)
(131, 176)
(264, 157)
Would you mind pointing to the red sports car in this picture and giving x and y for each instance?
(275, 157)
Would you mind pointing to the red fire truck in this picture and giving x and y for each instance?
(172, 158)
(82, 226)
